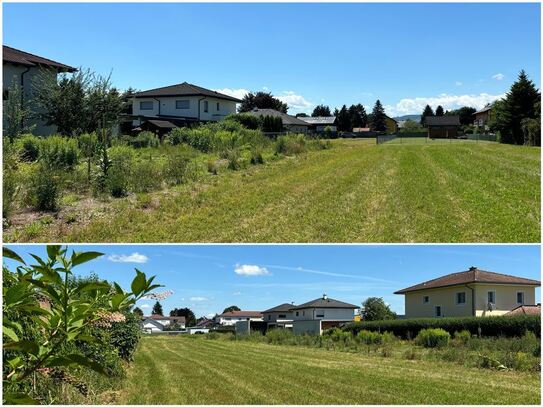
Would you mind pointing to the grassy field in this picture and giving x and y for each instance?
(355, 192)
(193, 370)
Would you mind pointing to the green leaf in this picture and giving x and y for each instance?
(116, 300)
(89, 286)
(59, 361)
(118, 288)
(15, 294)
(53, 251)
(84, 361)
(10, 333)
(83, 257)
(39, 260)
(139, 283)
(10, 254)
(18, 398)
(24, 346)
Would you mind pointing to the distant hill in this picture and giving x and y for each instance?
(414, 117)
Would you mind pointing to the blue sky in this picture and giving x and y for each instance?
(406, 55)
(208, 278)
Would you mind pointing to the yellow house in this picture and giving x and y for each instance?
(392, 125)
(468, 293)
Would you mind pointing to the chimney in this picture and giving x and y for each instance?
(324, 297)
(472, 268)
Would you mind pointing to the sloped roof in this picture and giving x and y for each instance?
(319, 120)
(156, 317)
(287, 119)
(163, 124)
(16, 56)
(242, 314)
(184, 89)
(442, 120)
(473, 275)
(286, 307)
(325, 302)
(525, 310)
(486, 108)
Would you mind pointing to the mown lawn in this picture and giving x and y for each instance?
(355, 192)
(193, 370)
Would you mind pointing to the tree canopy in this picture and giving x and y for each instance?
(157, 309)
(137, 311)
(231, 308)
(375, 309)
(343, 119)
(378, 117)
(261, 100)
(464, 113)
(440, 111)
(190, 318)
(321, 110)
(358, 116)
(427, 112)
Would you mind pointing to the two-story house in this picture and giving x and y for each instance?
(279, 316)
(473, 292)
(22, 69)
(178, 105)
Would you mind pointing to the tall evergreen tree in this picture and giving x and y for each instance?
(439, 111)
(320, 111)
(157, 309)
(427, 112)
(358, 116)
(520, 103)
(343, 119)
(378, 117)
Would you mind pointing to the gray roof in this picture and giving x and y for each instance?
(184, 89)
(16, 56)
(319, 120)
(325, 303)
(287, 119)
(164, 124)
(442, 120)
(486, 108)
(286, 307)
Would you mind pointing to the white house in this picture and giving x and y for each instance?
(22, 68)
(178, 105)
(158, 323)
(279, 316)
(232, 317)
(320, 314)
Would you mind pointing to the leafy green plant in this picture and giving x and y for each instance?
(291, 144)
(433, 338)
(28, 146)
(45, 295)
(45, 188)
(463, 336)
(176, 167)
(59, 152)
(119, 171)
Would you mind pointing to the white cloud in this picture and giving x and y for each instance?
(198, 299)
(458, 83)
(237, 93)
(145, 306)
(498, 77)
(294, 101)
(131, 258)
(251, 270)
(236, 293)
(449, 102)
(265, 88)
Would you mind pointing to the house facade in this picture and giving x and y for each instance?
(158, 323)
(290, 123)
(392, 125)
(232, 317)
(320, 314)
(483, 116)
(443, 126)
(279, 316)
(181, 104)
(473, 292)
(23, 69)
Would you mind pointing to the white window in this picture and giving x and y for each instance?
(425, 299)
(146, 105)
(460, 298)
(206, 106)
(218, 106)
(182, 104)
(438, 312)
(491, 297)
(520, 297)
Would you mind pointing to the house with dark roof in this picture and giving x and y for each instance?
(178, 105)
(159, 323)
(22, 68)
(320, 314)
(279, 316)
(473, 292)
(320, 124)
(443, 126)
(290, 123)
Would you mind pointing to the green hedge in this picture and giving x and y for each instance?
(488, 326)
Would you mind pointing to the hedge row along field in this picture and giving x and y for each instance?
(488, 326)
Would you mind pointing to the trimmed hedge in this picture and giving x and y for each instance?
(486, 326)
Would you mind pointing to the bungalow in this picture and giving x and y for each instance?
(320, 314)
(473, 292)
(320, 124)
(442, 126)
(290, 123)
(23, 68)
(158, 323)
(179, 105)
(232, 317)
(279, 316)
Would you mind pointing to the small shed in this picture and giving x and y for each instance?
(443, 126)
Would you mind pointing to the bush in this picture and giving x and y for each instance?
(145, 175)
(142, 140)
(433, 338)
(489, 326)
(280, 336)
(9, 178)
(212, 167)
(233, 157)
(28, 147)
(248, 121)
(272, 124)
(118, 176)
(291, 144)
(256, 156)
(463, 336)
(126, 335)
(177, 167)
(44, 188)
(374, 338)
(59, 152)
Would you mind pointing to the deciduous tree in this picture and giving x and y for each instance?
(261, 100)
(375, 309)
(321, 110)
